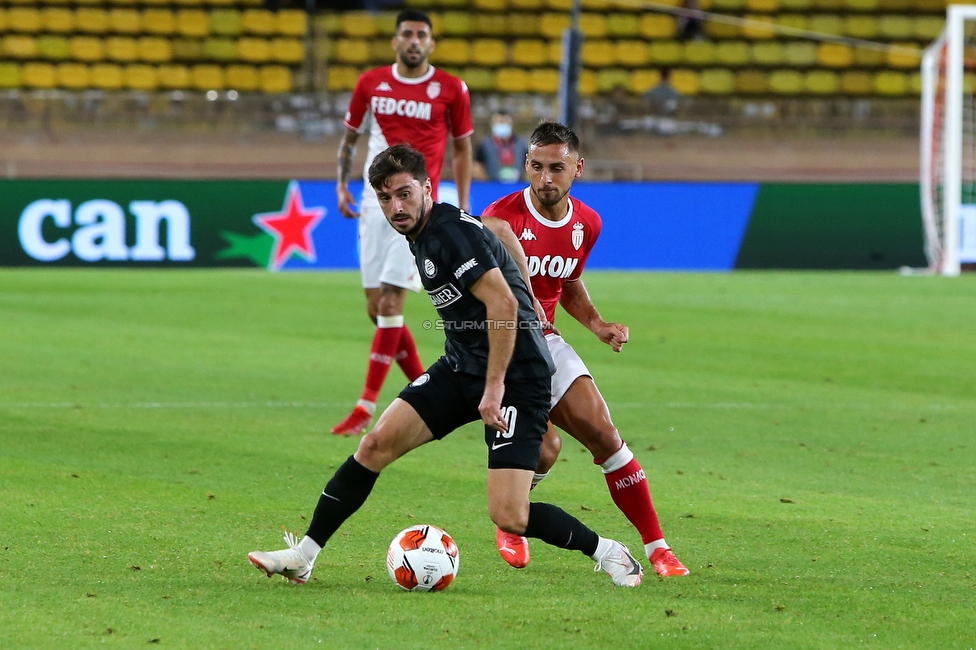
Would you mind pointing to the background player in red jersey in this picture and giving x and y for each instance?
(409, 102)
(557, 233)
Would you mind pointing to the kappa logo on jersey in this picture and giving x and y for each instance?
(461, 270)
(434, 89)
(402, 107)
(555, 266)
(444, 295)
(429, 268)
(384, 87)
(528, 235)
(577, 235)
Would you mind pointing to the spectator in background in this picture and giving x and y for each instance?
(663, 98)
(501, 156)
(690, 28)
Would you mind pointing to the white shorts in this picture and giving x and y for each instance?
(384, 257)
(569, 366)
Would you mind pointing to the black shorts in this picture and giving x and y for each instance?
(446, 400)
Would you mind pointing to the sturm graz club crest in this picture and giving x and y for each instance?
(430, 269)
(433, 89)
(577, 235)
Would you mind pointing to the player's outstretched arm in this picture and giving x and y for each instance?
(502, 325)
(578, 304)
(346, 156)
(462, 166)
(506, 235)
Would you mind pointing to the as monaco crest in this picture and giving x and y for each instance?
(577, 235)
(433, 89)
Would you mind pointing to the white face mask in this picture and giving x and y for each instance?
(501, 130)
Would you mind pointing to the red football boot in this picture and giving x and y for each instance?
(513, 548)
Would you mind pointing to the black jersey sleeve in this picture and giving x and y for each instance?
(465, 249)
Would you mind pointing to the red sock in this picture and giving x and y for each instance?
(628, 489)
(389, 330)
(408, 357)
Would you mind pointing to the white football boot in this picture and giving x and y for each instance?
(619, 564)
(290, 563)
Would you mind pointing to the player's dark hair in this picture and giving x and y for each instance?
(395, 160)
(413, 15)
(554, 133)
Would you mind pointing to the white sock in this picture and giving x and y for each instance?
(601, 549)
(619, 459)
(309, 548)
(538, 478)
(650, 547)
(369, 406)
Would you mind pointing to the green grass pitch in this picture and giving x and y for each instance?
(808, 438)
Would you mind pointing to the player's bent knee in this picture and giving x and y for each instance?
(374, 452)
(510, 519)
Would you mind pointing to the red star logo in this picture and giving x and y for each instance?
(291, 228)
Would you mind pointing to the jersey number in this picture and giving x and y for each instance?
(510, 414)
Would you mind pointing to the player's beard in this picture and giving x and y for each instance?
(550, 198)
(419, 224)
(413, 63)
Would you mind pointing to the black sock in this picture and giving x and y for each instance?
(344, 494)
(557, 527)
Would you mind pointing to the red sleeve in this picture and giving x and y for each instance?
(358, 106)
(461, 124)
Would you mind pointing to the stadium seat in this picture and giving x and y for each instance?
(225, 22)
(717, 81)
(657, 26)
(821, 82)
(192, 23)
(869, 58)
(26, 20)
(866, 6)
(587, 83)
(728, 6)
(158, 21)
(9, 75)
(593, 25)
(544, 80)
(479, 79)
(258, 50)
(835, 55)
(767, 53)
(762, 7)
(355, 24)
(893, 6)
(858, 26)
(930, 5)
(786, 82)
(609, 79)
(124, 21)
(552, 25)
(527, 5)
(86, 48)
(915, 83)
(528, 52)
(759, 27)
(154, 49)
(904, 57)
(140, 77)
(262, 22)
(292, 22)
(173, 77)
(189, 3)
(490, 24)
(602, 6)
(457, 23)
(449, 51)
(220, 49)
(490, 5)
(53, 48)
(733, 53)
(792, 21)
(751, 82)
(187, 49)
(3, 28)
(17, 46)
(855, 82)
(91, 20)
(928, 28)
(38, 75)
(73, 76)
(559, 5)
(598, 54)
(891, 83)
(340, 78)
(511, 80)
(57, 20)
(829, 5)
(524, 25)
(624, 25)
(121, 48)
(241, 77)
(380, 51)
(489, 52)
(206, 76)
(106, 76)
(351, 51)
(685, 81)
(899, 27)
(699, 53)
(666, 52)
(275, 79)
(719, 30)
(287, 50)
(826, 24)
(631, 54)
(643, 80)
(800, 54)
(555, 49)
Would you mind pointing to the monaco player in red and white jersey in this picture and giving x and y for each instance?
(557, 233)
(409, 102)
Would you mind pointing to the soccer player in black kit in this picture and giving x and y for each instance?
(496, 367)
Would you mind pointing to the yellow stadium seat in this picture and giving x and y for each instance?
(53, 48)
(544, 80)
(91, 20)
(821, 82)
(189, 3)
(205, 76)
(479, 79)
(859, 26)
(598, 54)
(928, 28)
(58, 20)
(559, 5)
(457, 23)
(666, 52)
(73, 76)
(174, 77)
(106, 76)
(124, 21)
(891, 83)
(380, 51)
(241, 77)
(751, 82)
(121, 48)
(275, 79)
(763, 6)
(26, 20)
(511, 80)
(9, 75)
(800, 54)
(855, 82)
(931, 5)
(685, 82)
(786, 82)
(225, 22)
(212, 3)
(154, 49)
(490, 25)
(829, 5)
(159, 21)
(643, 80)
(526, 5)
(524, 25)
(193, 23)
(328, 23)
(866, 6)
(529, 52)
(38, 75)
(187, 49)
(341, 78)
(289, 51)
(719, 30)
(450, 51)
(593, 25)
(3, 28)
(17, 46)
(489, 52)
(354, 23)
(727, 6)
(632, 54)
(588, 83)
(608, 79)
(386, 23)
(658, 26)
(835, 55)
(733, 53)
(717, 81)
(907, 56)
(869, 58)
(220, 49)
(621, 25)
(759, 27)
(140, 77)
(555, 52)
(87, 48)
(896, 27)
(552, 25)
(826, 24)
(490, 5)
(699, 53)
(351, 50)
(258, 50)
(601, 6)
(767, 53)
(915, 83)
(792, 21)
(292, 22)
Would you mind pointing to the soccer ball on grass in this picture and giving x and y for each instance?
(422, 558)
